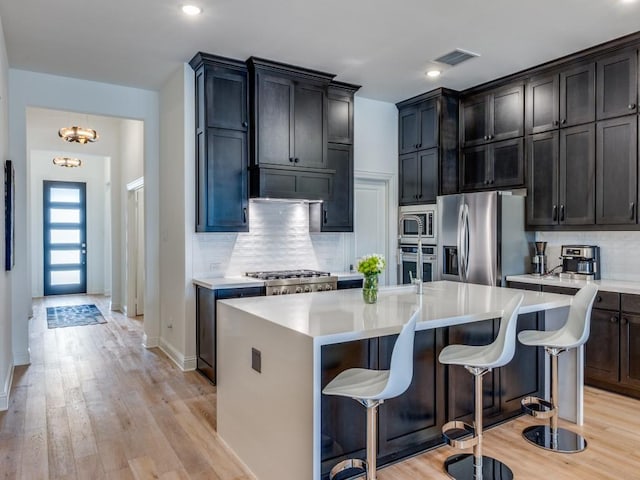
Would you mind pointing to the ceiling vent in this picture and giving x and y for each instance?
(455, 57)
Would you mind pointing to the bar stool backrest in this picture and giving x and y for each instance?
(577, 327)
(401, 368)
(501, 351)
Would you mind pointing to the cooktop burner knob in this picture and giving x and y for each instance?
(285, 291)
(327, 287)
(275, 292)
(307, 288)
(298, 289)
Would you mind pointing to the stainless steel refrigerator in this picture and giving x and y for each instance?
(481, 237)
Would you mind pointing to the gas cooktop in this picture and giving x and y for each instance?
(283, 274)
(283, 282)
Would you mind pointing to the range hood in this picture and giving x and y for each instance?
(274, 182)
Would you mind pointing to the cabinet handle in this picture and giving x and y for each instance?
(486, 137)
(490, 137)
(291, 159)
(554, 213)
(244, 215)
(562, 213)
(598, 299)
(632, 208)
(613, 319)
(632, 106)
(555, 123)
(419, 145)
(324, 216)
(420, 196)
(245, 124)
(625, 320)
(296, 160)
(564, 121)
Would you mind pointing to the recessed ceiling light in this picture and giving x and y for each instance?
(191, 10)
(433, 73)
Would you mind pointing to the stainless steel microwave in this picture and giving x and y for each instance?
(409, 229)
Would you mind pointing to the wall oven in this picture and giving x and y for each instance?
(407, 258)
(409, 229)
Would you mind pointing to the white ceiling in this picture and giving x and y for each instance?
(385, 46)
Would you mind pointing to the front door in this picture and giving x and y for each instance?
(65, 238)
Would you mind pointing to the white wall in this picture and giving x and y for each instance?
(92, 173)
(29, 89)
(6, 354)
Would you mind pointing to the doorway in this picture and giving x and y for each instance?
(135, 278)
(64, 237)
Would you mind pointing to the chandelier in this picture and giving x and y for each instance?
(78, 134)
(67, 162)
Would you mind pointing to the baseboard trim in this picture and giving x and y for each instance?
(23, 358)
(184, 363)
(150, 342)
(4, 394)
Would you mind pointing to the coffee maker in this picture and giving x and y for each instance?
(580, 262)
(539, 260)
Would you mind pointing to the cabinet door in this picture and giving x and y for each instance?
(507, 163)
(473, 168)
(630, 351)
(542, 104)
(339, 118)
(578, 95)
(275, 114)
(617, 83)
(524, 375)
(617, 171)
(337, 215)
(408, 129)
(602, 349)
(428, 124)
(475, 120)
(577, 170)
(415, 418)
(507, 113)
(343, 419)
(428, 172)
(309, 128)
(542, 182)
(222, 194)
(206, 328)
(409, 181)
(226, 98)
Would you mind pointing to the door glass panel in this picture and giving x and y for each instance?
(65, 236)
(64, 257)
(65, 215)
(65, 277)
(65, 195)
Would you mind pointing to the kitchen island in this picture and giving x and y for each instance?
(270, 359)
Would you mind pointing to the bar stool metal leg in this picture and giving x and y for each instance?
(474, 466)
(551, 437)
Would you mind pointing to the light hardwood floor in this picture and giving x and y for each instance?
(94, 404)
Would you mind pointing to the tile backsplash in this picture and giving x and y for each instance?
(618, 257)
(278, 239)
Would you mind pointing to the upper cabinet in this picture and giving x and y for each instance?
(428, 146)
(340, 112)
(561, 99)
(221, 144)
(617, 80)
(493, 116)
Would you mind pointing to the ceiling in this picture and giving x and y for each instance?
(384, 46)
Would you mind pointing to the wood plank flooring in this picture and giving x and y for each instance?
(94, 404)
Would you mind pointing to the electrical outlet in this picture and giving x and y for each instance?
(214, 266)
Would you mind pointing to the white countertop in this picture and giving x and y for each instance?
(338, 316)
(605, 285)
(220, 283)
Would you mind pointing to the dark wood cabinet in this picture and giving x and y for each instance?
(542, 182)
(561, 100)
(206, 348)
(630, 350)
(221, 144)
(602, 350)
(340, 105)
(428, 147)
(577, 176)
(493, 116)
(617, 84)
(617, 171)
(494, 165)
(337, 214)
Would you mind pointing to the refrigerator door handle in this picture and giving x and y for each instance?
(466, 242)
(462, 263)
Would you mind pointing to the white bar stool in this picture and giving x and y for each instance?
(573, 334)
(479, 360)
(373, 387)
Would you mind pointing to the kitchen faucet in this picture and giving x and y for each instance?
(418, 280)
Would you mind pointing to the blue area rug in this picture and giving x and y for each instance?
(73, 316)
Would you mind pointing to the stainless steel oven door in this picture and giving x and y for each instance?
(409, 229)
(407, 263)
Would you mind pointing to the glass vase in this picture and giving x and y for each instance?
(370, 288)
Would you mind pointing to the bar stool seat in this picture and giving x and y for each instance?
(479, 360)
(371, 388)
(574, 333)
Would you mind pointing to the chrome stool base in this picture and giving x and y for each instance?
(461, 467)
(564, 441)
(348, 464)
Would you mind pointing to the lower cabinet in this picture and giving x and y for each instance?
(206, 324)
(413, 421)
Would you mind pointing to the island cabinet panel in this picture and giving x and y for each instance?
(414, 419)
(602, 350)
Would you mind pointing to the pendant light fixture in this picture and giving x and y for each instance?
(67, 162)
(78, 134)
